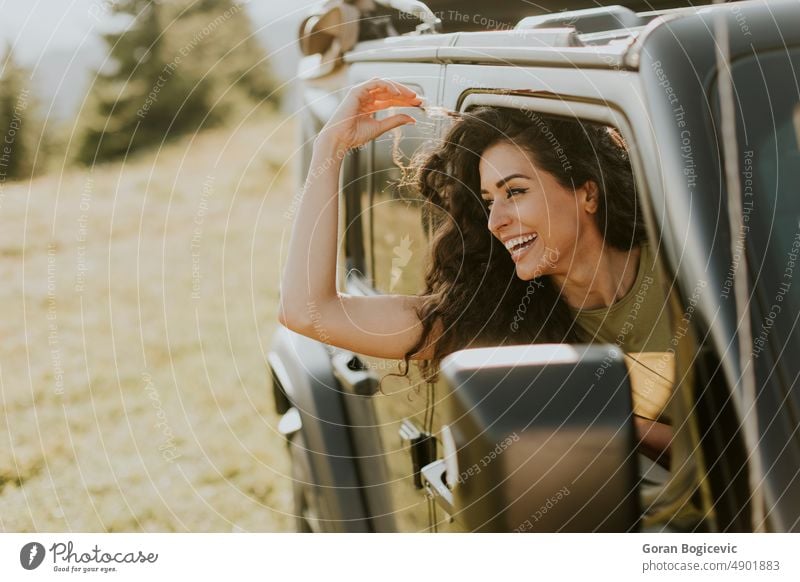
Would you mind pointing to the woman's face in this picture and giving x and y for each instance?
(542, 224)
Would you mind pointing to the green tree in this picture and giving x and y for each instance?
(17, 127)
(179, 66)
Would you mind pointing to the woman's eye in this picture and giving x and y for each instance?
(487, 202)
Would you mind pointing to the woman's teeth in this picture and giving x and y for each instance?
(519, 243)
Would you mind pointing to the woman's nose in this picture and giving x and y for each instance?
(499, 217)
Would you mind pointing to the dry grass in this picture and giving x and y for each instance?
(105, 377)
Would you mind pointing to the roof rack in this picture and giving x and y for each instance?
(586, 21)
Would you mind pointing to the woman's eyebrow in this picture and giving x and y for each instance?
(502, 181)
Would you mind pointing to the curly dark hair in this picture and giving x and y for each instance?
(471, 282)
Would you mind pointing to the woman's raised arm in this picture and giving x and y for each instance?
(383, 326)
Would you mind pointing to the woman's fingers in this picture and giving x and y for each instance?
(388, 86)
(381, 94)
(415, 100)
(393, 121)
(382, 103)
(352, 124)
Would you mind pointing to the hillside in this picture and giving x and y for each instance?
(138, 303)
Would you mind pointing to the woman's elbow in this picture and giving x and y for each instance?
(293, 318)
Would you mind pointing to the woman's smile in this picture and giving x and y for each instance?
(519, 245)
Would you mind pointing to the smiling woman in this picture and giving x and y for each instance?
(557, 207)
(532, 212)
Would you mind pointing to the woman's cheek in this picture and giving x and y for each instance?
(551, 256)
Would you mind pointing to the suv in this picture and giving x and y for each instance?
(540, 437)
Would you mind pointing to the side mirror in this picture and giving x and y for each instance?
(540, 438)
(331, 23)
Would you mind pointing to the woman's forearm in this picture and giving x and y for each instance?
(309, 278)
(308, 285)
(654, 439)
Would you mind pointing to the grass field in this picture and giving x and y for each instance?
(137, 305)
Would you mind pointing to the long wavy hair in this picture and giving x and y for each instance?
(471, 284)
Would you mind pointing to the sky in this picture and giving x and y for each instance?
(58, 40)
(36, 26)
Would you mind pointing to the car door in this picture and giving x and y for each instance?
(565, 93)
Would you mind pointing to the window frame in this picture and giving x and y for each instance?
(690, 481)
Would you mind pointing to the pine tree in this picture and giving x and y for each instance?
(177, 69)
(17, 127)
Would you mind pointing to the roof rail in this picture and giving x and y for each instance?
(586, 21)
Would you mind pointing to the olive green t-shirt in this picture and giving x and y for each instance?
(639, 324)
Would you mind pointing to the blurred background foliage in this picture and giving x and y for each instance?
(19, 123)
(176, 67)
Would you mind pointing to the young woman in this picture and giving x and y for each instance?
(531, 211)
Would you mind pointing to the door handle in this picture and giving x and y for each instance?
(433, 475)
(353, 375)
(422, 447)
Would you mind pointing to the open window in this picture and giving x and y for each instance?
(653, 361)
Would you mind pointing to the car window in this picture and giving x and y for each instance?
(356, 186)
(398, 214)
(768, 135)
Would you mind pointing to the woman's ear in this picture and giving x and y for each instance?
(590, 196)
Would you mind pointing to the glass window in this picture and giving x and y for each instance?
(398, 213)
(356, 185)
(770, 165)
(767, 109)
(768, 132)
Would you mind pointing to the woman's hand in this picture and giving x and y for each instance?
(352, 123)
(654, 439)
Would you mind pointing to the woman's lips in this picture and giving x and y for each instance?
(517, 253)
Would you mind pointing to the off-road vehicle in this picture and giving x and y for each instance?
(540, 437)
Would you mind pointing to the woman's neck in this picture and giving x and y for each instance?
(599, 277)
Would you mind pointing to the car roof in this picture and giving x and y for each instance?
(609, 37)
